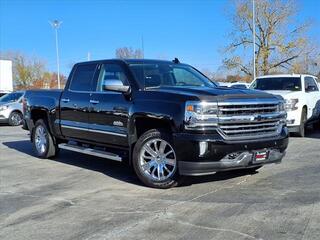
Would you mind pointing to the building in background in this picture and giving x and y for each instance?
(6, 84)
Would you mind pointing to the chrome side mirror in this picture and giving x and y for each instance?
(115, 85)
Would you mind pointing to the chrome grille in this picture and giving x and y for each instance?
(249, 120)
(231, 110)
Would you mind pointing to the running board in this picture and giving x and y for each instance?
(90, 151)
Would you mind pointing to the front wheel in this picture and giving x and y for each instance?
(15, 119)
(154, 160)
(43, 144)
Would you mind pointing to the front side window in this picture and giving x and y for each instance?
(166, 74)
(277, 83)
(82, 77)
(111, 72)
(310, 84)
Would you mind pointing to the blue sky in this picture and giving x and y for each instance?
(193, 30)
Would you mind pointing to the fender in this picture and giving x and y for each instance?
(48, 105)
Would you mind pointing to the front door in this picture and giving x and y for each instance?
(74, 102)
(312, 95)
(109, 110)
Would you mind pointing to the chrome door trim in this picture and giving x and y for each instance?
(96, 131)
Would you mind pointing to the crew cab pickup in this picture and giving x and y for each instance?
(165, 119)
(301, 94)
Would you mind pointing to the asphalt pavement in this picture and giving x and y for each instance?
(77, 196)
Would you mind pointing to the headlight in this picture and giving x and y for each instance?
(291, 104)
(281, 107)
(201, 114)
(2, 108)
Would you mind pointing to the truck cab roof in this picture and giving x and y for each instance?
(286, 75)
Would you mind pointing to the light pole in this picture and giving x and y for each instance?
(56, 24)
(254, 40)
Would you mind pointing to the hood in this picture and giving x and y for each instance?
(218, 93)
(284, 93)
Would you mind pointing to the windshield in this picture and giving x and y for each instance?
(10, 97)
(277, 83)
(166, 74)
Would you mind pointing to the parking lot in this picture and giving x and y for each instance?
(81, 197)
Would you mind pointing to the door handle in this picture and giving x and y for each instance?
(94, 101)
(65, 100)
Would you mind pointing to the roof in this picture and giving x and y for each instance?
(130, 61)
(286, 75)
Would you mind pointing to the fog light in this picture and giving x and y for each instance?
(203, 146)
(290, 121)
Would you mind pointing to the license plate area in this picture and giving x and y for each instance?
(260, 156)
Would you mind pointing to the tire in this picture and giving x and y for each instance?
(15, 119)
(42, 141)
(154, 160)
(302, 127)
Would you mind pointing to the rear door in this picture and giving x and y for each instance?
(74, 102)
(109, 110)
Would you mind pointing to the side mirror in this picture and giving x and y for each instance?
(311, 89)
(115, 85)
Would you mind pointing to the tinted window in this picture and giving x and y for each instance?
(82, 77)
(310, 84)
(277, 83)
(111, 72)
(167, 74)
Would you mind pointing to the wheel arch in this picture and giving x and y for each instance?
(37, 114)
(142, 124)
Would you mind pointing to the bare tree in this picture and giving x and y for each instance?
(126, 52)
(279, 40)
(26, 70)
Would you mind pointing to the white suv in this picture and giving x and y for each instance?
(302, 96)
(11, 108)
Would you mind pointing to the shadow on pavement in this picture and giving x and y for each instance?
(113, 169)
(313, 133)
(310, 133)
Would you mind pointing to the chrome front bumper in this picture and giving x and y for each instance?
(236, 160)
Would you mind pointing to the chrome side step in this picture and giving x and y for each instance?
(90, 151)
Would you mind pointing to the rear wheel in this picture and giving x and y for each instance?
(302, 127)
(43, 144)
(15, 119)
(154, 160)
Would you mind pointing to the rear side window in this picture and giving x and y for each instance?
(82, 77)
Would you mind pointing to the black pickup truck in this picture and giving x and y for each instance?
(163, 118)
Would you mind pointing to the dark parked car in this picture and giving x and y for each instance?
(164, 118)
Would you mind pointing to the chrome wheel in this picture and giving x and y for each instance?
(41, 142)
(16, 119)
(157, 160)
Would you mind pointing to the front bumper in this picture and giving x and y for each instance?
(3, 120)
(244, 160)
(293, 129)
(194, 161)
(4, 115)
